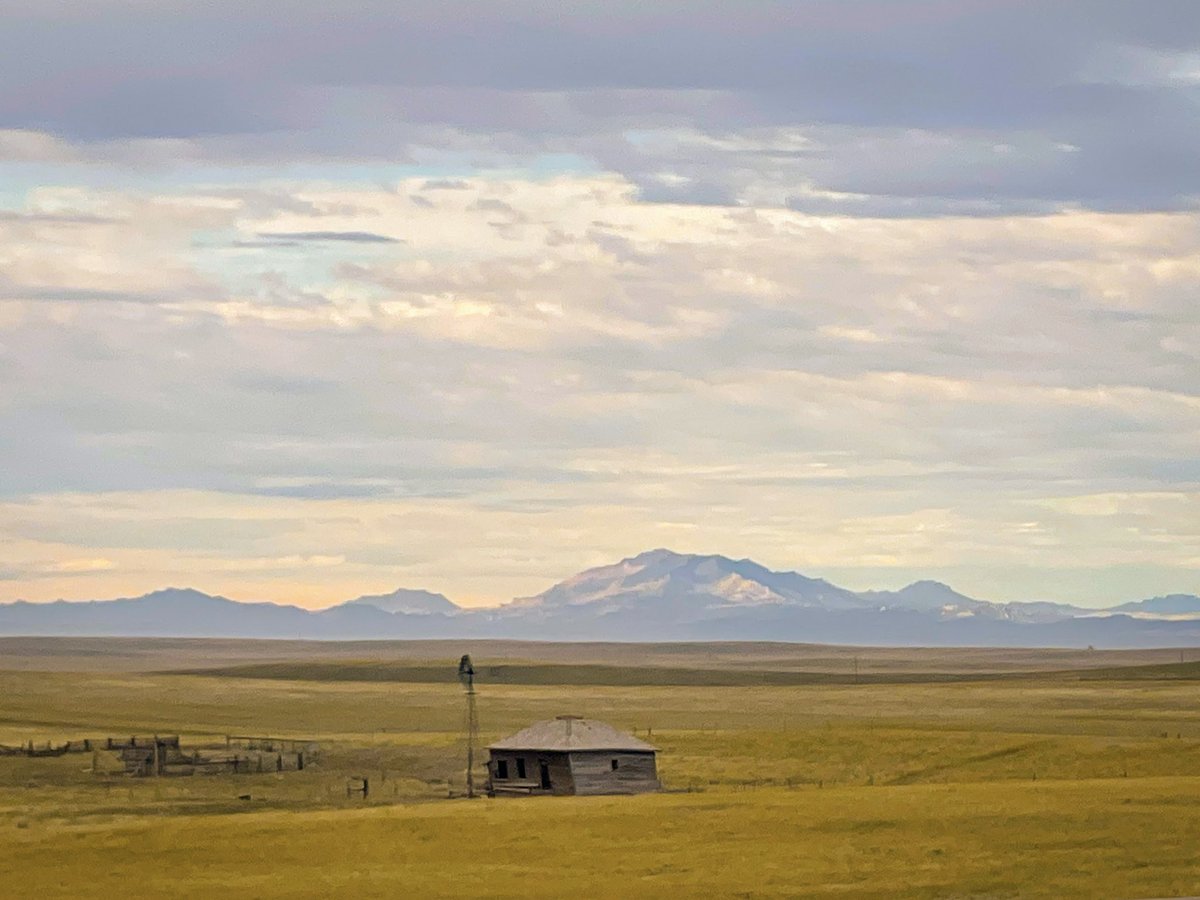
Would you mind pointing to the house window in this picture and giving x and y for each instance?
(521, 767)
(615, 764)
(502, 769)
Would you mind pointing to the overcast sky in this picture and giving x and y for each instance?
(301, 301)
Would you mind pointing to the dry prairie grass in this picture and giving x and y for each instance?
(1043, 786)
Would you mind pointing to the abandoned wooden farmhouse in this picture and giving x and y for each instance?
(571, 755)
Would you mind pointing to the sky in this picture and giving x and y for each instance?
(303, 301)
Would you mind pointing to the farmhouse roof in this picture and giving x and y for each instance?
(567, 733)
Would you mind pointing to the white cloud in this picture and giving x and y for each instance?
(552, 363)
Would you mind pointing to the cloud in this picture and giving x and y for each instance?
(34, 570)
(861, 396)
(918, 107)
(351, 237)
(83, 566)
(857, 288)
(51, 218)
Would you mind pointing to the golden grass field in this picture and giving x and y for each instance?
(1055, 779)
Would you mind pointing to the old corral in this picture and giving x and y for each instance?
(571, 755)
(162, 755)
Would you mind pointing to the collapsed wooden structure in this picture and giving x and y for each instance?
(163, 756)
(571, 755)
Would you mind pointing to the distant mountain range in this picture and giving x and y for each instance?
(417, 603)
(655, 596)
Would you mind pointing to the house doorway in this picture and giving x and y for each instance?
(544, 771)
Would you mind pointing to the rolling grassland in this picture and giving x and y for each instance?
(1070, 782)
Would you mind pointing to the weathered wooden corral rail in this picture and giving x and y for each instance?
(146, 755)
(164, 755)
(167, 740)
(270, 744)
(84, 746)
(239, 756)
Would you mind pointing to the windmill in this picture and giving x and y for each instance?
(466, 674)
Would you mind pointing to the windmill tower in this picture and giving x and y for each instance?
(466, 674)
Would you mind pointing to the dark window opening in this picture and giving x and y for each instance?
(520, 768)
(502, 768)
(615, 764)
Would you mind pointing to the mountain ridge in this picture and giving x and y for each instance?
(656, 595)
(407, 600)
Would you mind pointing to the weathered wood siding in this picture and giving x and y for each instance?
(558, 764)
(593, 772)
(561, 780)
